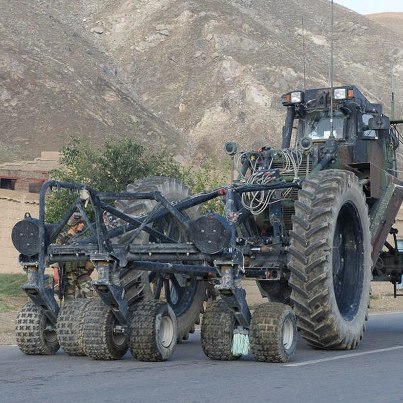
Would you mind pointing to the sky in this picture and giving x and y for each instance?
(372, 6)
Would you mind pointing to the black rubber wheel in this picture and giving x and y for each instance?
(34, 332)
(153, 331)
(330, 260)
(185, 294)
(69, 327)
(136, 285)
(217, 331)
(103, 337)
(273, 333)
(275, 291)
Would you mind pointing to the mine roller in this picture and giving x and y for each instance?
(311, 222)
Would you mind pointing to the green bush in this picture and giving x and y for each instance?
(117, 163)
(108, 168)
(207, 176)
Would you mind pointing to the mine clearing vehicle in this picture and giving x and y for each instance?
(312, 222)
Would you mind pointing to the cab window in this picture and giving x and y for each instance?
(371, 134)
(316, 125)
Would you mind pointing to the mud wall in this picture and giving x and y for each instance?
(13, 206)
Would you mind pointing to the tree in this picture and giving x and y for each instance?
(119, 162)
(108, 168)
(113, 166)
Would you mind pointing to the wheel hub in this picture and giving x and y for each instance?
(165, 330)
(288, 334)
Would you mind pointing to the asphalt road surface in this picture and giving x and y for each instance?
(372, 373)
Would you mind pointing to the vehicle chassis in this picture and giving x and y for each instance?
(163, 256)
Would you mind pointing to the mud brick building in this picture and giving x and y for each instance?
(28, 176)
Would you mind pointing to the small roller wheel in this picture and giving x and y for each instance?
(217, 332)
(69, 327)
(34, 332)
(153, 331)
(273, 333)
(103, 336)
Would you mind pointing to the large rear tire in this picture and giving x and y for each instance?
(34, 332)
(330, 260)
(185, 294)
(275, 291)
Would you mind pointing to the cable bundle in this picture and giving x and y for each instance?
(258, 201)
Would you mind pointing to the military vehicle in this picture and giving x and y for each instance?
(310, 222)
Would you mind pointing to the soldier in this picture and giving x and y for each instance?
(77, 274)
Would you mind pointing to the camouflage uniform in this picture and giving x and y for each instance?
(78, 280)
(77, 274)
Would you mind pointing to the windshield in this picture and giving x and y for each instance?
(316, 125)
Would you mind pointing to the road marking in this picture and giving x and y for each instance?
(342, 357)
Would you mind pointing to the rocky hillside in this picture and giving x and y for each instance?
(56, 83)
(392, 21)
(190, 73)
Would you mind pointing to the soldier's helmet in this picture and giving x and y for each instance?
(75, 219)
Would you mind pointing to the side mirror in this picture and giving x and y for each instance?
(379, 123)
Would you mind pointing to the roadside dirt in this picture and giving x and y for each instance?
(381, 296)
(7, 327)
(381, 301)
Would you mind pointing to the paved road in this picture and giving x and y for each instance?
(372, 373)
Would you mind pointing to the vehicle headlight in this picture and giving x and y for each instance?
(296, 97)
(291, 98)
(343, 93)
(340, 93)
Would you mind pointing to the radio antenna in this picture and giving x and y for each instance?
(392, 84)
(303, 50)
(331, 73)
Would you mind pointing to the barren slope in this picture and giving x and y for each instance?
(212, 70)
(392, 21)
(54, 83)
(216, 69)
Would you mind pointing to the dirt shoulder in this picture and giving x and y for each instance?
(381, 301)
(7, 327)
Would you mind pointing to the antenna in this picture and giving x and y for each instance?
(392, 83)
(303, 50)
(331, 74)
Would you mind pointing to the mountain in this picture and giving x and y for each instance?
(191, 74)
(56, 83)
(392, 21)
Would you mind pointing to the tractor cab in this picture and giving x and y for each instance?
(344, 131)
(342, 114)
